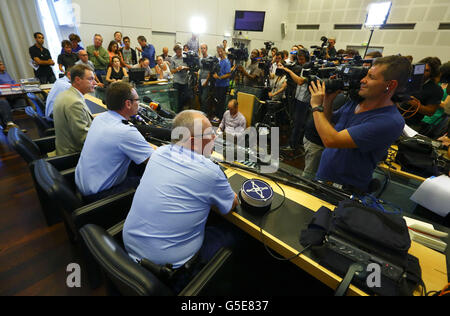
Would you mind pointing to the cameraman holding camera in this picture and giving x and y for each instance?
(363, 131)
(222, 82)
(253, 75)
(302, 100)
(179, 70)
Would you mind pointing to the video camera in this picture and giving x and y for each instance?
(269, 45)
(239, 53)
(347, 76)
(192, 60)
(320, 51)
(211, 64)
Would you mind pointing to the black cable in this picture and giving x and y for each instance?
(261, 226)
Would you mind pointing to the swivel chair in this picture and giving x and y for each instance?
(45, 127)
(32, 150)
(128, 278)
(76, 213)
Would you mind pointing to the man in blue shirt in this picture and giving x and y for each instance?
(222, 82)
(166, 223)
(5, 78)
(110, 146)
(147, 50)
(364, 131)
(14, 101)
(62, 84)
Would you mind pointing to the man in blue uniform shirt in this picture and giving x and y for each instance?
(363, 131)
(111, 145)
(60, 85)
(166, 223)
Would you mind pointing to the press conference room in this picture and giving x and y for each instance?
(224, 150)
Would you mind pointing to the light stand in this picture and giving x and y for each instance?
(377, 15)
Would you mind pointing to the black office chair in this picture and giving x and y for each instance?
(45, 127)
(32, 150)
(28, 149)
(126, 277)
(76, 213)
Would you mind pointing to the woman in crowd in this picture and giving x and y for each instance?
(162, 68)
(116, 72)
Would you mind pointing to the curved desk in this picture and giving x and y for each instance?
(282, 231)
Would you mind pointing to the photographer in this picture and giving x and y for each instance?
(363, 131)
(302, 99)
(331, 50)
(429, 123)
(253, 75)
(179, 70)
(222, 82)
(427, 100)
(278, 83)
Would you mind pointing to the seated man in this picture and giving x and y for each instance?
(6, 120)
(166, 223)
(14, 101)
(427, 100)
(84, 60)
(71, 115)
(111, 145)
(61, 85)
(363, 131)
(144, 63)
(233, 121)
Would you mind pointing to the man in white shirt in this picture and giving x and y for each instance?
(233, 121)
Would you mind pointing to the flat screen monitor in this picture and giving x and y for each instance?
(137, 75)
(249, 21)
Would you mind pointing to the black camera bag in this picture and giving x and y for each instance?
(417, 158)
(376, 234)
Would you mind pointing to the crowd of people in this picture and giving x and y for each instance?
(343, 138)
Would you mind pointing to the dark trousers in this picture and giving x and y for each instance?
(5, 113)
(204, 102)
(132, 181)
(46, 76)
(221, 97)
(99, 73)
(217, 236)
(183, 95)
(301, 111)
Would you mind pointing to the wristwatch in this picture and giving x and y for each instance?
(318, 109)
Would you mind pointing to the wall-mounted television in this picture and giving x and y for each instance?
(249, 21)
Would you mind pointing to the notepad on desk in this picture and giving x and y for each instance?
(434, 194)
(425, 234)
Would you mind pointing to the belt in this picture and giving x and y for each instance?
(167, 272)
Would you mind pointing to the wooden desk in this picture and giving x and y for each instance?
(397, 169)
(433, 264)
(97, 102)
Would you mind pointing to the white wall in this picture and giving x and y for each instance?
(425, 40)
(170, 20)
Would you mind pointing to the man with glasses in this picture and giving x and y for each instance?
(111, 145)
(167, 220)
(84, 60)
(71, 115)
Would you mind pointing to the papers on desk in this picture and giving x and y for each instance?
(434, 194)
(425, 234)
(10, 89)
(409, 132)
(47, 86)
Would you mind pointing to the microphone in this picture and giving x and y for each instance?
(155, 106)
